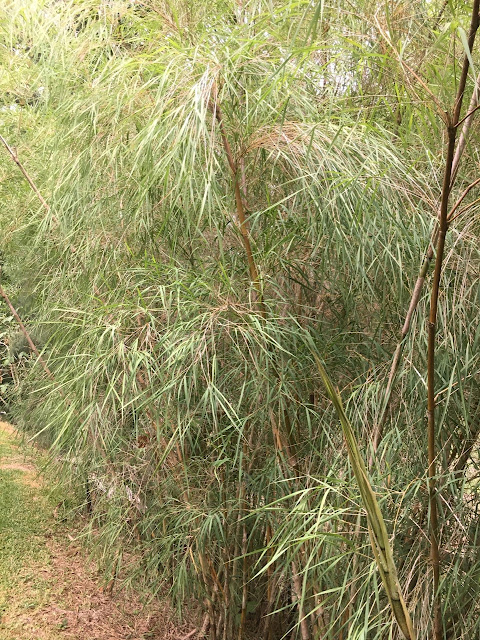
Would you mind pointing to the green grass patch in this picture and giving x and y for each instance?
(26, 516)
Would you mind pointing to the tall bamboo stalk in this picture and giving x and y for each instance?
(452, 124)
(242, 220)
(418, 288)
(432, 498)
(283, 441)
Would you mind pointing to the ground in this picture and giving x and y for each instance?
(49, 588)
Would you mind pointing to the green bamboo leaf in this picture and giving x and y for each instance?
(466, 48)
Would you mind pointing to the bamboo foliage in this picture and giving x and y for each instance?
(231, 188)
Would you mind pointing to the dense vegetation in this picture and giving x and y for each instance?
(222, 199)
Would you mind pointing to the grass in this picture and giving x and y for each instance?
(26, 521)
(25, 514)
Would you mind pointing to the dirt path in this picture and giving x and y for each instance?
(49, 590)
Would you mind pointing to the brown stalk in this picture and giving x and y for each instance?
(49, 373)
(468, 115)
(241, 549)
(239, 183)
(28, 338)
(240, 209)
(297, 587)
(463, 210)
(267, 630)
(210, 595)
(14, 157)
(432, 324)
(467, 123)
(23, 329)
(284, 446)
(243, 614)
(467, 452)
(461, 199)
(417, 291)
(441, 11)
